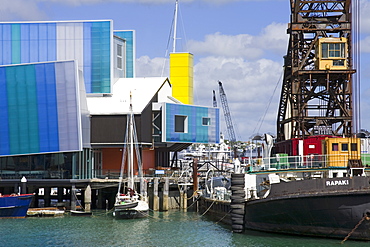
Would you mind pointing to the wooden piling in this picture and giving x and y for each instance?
(47, 200)
(155, 195)
(166, 188)
(87, 198)
(73, 197)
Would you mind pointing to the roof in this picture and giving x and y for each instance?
(142, 90)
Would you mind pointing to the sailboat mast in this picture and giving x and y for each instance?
(131, 143)
(175, 26)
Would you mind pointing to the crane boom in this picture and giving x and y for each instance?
(225, 106)
(214, 99)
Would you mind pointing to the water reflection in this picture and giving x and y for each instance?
(171, 228)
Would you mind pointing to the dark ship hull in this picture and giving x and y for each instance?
(318, 207)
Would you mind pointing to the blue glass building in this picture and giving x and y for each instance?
(49, 71)
(90, 43)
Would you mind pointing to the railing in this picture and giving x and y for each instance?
(115, 173)
(60, 174)
(300, 162)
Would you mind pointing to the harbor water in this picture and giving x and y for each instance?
(173, 228)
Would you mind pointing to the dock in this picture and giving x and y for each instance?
(45, 212)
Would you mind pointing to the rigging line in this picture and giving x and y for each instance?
(124, 151)
(183, 28)
(138, 157)
(260, 122)
(168, 43)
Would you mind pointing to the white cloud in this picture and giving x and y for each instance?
(81, 2)
(248, 87)
(272, 39)
(248, 80)
(20, 9)
(364, 10)
(146, 67)
(225, 45)
(365, 44)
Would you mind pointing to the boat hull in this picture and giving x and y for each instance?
(129, 211)
(80, 213)
(130, 214)
(321, 213)
(15, 206)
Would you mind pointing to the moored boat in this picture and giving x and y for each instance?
(326, 207)
(14, 205)
(128, 207)
(80, 213)
(315, 195)
(131, 205)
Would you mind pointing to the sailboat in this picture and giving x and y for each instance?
(131, 205)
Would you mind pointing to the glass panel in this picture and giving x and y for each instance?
(334, 147)
(345, 147)
(206, 121)
(325, 50)
(180, 124)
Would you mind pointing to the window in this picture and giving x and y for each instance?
(119, 57)
(333, 50)
(181, 124)
(206, 121)
(334, 147)
(353, 146)
(345, 147)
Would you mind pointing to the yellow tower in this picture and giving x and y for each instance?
(181, 77)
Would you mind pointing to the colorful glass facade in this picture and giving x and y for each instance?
(129, 37)
(190, 124)
(39, 108)
(88, 42)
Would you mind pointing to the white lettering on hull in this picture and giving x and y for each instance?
(337, 182)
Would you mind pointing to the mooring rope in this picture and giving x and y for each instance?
(354, 229)
(223, 217)
(208, 208)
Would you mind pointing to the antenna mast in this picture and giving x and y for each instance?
(175, 26)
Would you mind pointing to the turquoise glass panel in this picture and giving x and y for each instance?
(23, 122)
(37, 110)
(87, 56)
(100, 49)
(4, 125)
(37, 42)
(129, 37)
(16, 43)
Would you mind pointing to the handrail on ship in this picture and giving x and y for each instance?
(307, 162)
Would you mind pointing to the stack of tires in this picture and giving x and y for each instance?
(237, 202)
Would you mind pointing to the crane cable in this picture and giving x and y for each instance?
(262, 119)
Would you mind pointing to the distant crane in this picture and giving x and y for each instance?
(214, 99)
(229, 123)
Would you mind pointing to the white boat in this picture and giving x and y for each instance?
(130, 205)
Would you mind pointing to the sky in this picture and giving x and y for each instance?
(238, 42)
